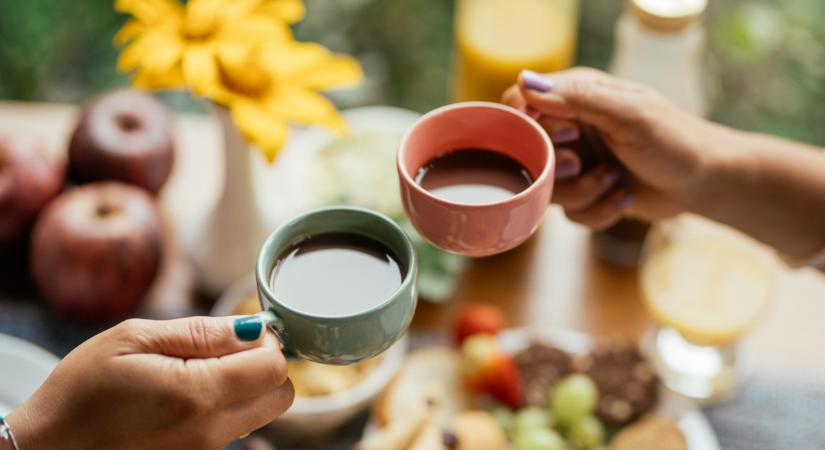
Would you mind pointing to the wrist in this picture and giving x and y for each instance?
(24, 427)
(8, 440)
(726, 167)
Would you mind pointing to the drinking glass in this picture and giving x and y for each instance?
(496, 39)
(706, 286)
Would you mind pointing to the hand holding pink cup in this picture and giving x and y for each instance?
(476, 229)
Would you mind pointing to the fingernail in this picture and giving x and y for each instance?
(626, 201)
(536, 81)
(610, 178)
(566, 134)
(566, 169)
(248, 328)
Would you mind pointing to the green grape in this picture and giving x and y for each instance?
(529, 419)
(539, 439)
(504, 417)
(573, 397)
(586, 432)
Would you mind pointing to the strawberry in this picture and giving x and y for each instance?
(487, 369)
(475, 319)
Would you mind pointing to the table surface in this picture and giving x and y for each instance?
(553, 280)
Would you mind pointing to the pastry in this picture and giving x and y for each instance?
(650, 433)
(541, 366)
(430, 379)
(475, 430)
(628, 387)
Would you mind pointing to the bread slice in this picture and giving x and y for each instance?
(477, 430)
(399, 435)
(430, 381)
(650, 433)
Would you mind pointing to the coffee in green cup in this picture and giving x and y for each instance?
(338, 285)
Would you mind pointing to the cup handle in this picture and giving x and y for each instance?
(275, 324)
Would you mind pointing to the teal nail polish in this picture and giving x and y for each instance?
(248, 328)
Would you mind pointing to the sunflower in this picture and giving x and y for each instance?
(171, 45)
(239, 53)
(266, 87)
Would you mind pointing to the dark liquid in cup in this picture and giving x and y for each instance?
(473, 176)
(335, 274)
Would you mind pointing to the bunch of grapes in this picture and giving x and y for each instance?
(567, 423)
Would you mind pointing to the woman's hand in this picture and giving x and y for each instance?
(194, 383)
(662, 161)
(660, 155)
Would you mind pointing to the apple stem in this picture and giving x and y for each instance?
(105, 209)
(127, 122)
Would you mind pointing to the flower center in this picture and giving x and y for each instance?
(247, 79)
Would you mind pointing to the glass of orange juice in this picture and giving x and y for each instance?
(496, 39)
(706, 285)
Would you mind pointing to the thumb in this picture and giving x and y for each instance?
(582, 94)
(195, 337)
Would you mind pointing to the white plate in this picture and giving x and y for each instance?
(691, 421)
(23, 368)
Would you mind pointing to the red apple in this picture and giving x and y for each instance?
(29, 178)
(96, 249)
(124, 135)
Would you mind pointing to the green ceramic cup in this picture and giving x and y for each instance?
(339, 339)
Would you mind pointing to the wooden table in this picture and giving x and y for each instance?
(553, 280)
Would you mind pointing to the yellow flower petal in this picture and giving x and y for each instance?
(162, 57)
(260, 126)
(238, 8)
(200, 69)
(336, 72)
(142, 47)
(202, 18)
(298, 104)
(284, 60)
(128, 31)
(291, 11)
(171, 79)
(255, 29)
(150, 11)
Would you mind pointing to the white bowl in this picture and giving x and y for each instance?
(23, 368)
(313, 416)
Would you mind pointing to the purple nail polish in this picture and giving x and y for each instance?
(610, 178)
(566, 134)
(536, 81)
(566, 169)
(627, 200)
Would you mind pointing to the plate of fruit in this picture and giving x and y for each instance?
(531, 389)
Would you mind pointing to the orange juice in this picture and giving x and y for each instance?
(496, 39)
(707, 282)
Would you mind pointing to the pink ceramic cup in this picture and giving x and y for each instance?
(486, 229)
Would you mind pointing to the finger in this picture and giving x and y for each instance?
(251, 373)
(605, 212)
(193, 337)
(248, 416)
(583, 94)
(512, 97)
(581, 192)
(568, 164)
(560, 131)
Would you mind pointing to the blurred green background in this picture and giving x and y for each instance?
(765, 62)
